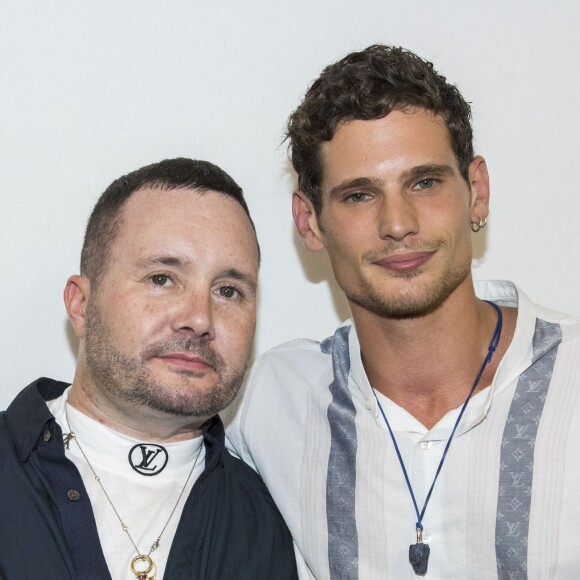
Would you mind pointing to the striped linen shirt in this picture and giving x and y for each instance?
(507, 502)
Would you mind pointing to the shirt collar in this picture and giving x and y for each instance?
(28, 416)
(515, 360)
(518, 356)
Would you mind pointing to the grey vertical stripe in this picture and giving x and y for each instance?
(341, 474)
(517, 455)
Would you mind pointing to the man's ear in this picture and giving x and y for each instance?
(307, 222)
(76, 296)
(479, 185)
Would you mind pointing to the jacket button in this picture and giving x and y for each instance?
(47, 436)
(73, 495)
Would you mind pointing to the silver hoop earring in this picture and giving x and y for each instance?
(476, 227)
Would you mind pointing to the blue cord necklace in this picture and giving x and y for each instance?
(419, 552)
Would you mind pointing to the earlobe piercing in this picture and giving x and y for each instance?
(475, 227)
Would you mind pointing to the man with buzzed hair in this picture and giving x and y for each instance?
(435, 433)
(124, 474)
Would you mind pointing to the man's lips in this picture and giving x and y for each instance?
(185, 360)
(404, 261)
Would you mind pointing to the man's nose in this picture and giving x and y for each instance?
(194, 314)
(398, 218)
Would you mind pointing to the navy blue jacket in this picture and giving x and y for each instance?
(229, 528)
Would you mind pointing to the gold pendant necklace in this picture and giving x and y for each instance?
(142, 565)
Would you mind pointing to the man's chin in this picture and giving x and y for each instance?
(409, 299)
(182, 386)
(185, 395)
(174, 405)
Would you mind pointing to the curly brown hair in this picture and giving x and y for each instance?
(369, 85)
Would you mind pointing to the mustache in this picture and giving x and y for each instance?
(393, 247)
(199, 348)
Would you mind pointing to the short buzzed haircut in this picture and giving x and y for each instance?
(179, 173)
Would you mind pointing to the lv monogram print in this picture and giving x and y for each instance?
(517, 455)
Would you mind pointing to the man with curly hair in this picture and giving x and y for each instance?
(433, 433)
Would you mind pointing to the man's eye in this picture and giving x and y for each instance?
(425, 184)
(160, 279)
(357, 197)
(228, 292)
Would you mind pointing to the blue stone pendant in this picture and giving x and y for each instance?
(419, 555)
(419, 558)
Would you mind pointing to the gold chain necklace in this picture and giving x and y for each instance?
(142, 565)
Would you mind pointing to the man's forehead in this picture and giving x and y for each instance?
(398, 121)
(183, 204)
(161, 195)
(168, 221)
(411, 137)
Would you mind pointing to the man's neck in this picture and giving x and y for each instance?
(428, 364)
(132, 420)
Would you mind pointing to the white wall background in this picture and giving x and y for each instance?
(92, 90)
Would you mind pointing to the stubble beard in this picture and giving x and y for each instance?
(419, 299)
(129, 379)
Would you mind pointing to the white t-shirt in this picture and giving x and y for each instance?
(143, 495)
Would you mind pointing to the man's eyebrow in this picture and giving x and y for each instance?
(234, 273)
(418, 172)
(350, 184)
(237, 275)
(161, 260)
(421, 171)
